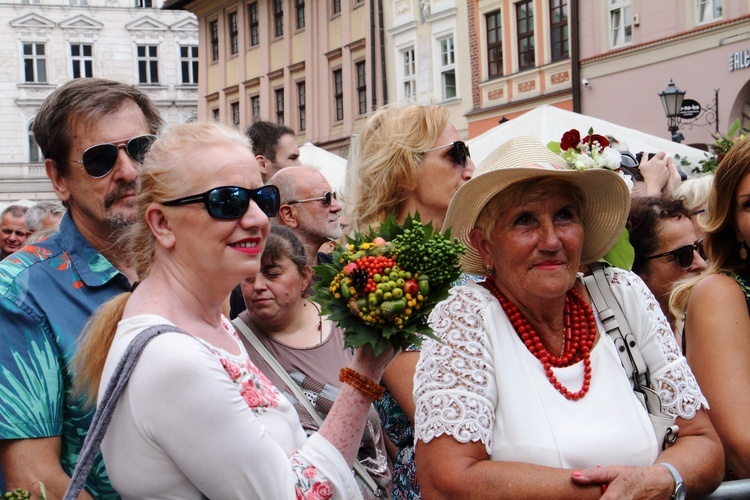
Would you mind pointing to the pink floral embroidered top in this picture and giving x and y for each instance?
(198, 420)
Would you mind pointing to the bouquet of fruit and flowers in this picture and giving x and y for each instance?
(382, 285)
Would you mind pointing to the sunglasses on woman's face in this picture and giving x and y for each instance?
(326, 199)
(231, 202)
(99, 160)
(684, 255)
(459, 152)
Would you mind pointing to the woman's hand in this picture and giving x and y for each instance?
(369, 365)
(628, 482)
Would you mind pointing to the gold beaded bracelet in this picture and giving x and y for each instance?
(361, 383)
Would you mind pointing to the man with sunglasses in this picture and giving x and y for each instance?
(310, 208)
(666, 247)
(94, 134)
(13, 231)
(274, 146)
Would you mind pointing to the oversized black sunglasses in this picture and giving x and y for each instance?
(326, 199)
(459, 152)
(685, 255)
(232, 202)
(100, 159)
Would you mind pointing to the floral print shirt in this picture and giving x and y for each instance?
(47, 292)
(200, 421)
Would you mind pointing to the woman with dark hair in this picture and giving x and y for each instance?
(666, 248)
(717, 321)
(308, 346)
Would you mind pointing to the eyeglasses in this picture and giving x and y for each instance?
(459, 152)
(684, 255)
(231, 202)
(326, 199)
(99, 160)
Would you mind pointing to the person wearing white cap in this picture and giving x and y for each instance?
(526, 392)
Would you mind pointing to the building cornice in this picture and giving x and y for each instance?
(669, 39)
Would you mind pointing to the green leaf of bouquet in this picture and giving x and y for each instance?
(621, 255)
(554, 146)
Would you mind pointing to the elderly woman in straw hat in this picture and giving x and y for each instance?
(526, 392)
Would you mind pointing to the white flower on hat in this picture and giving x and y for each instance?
(611, 159)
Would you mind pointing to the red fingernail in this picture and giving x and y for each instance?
(577, 473)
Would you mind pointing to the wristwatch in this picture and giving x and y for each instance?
(680, 492)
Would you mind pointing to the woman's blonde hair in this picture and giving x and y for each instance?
(162, 177)
(695, 192)
(386, 165)
(720, 241)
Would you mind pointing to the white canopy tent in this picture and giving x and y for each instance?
(332, 166)
(549, 123)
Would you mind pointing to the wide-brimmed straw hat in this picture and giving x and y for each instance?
(606, 197)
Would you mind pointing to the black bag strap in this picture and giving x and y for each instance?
(106, 408)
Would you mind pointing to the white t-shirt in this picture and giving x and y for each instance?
(196, 420)
(482, 384)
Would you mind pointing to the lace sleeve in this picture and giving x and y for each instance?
(454, 385)
(671, 377)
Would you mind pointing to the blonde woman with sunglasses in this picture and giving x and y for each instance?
(197, 418)
(409, 159)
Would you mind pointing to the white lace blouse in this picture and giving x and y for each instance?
(481, 384)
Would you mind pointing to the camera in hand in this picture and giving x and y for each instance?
(630, 162)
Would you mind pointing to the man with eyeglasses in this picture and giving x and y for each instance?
(13, 232)
(94, 134)
(310, 208)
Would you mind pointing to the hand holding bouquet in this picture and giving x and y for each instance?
(381, 287)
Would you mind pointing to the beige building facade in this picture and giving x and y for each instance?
(315, 66)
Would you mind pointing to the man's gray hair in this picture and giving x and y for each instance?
(14, 210)
(38, 212)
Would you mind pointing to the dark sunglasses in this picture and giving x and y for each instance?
(99, 160)
(326, 199)
(459, 152)
(231, 202)
(685, 255)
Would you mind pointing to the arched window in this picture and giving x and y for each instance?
(745, 122)
(35, 154)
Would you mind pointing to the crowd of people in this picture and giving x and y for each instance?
(169, 292)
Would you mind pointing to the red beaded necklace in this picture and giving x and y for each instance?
(580, 332)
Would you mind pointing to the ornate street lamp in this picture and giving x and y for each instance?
(671, 99)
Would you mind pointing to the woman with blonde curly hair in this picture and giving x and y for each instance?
(717, 323)
(409, 159)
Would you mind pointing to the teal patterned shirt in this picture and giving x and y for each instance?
(47, 292)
